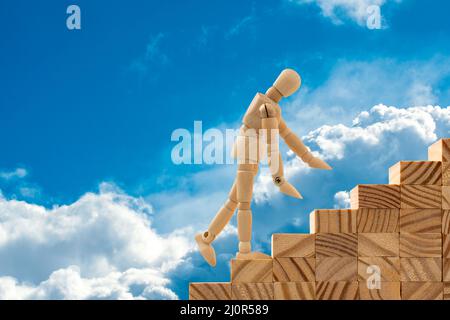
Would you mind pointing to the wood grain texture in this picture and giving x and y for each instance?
(210, 291)
(446, 221)
(422, 290)
(252, 291)
(446, 269)
(389, 268)
(445, 173)
(337, 269)
(378, 220)
(294, 269)
(332, 220)
(421, 220)
(251, 270)
(446, 246)
(416, 172)
(445, 197)
(293, 245)
(416, 196)
(337, 290)
(387, 291)
(446, 290)
(336, 245)
(375, 196)
(378, 244)
(439, 151)
(294, 291)
(421, 245)
(420, 269)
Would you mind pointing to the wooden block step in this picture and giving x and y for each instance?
(293, 245)
(387, 291)
(416, 172)
(337, 290)
(422, 290)
(389, 268)
(294, 290)
(294, 269)
(252, 291)
(378, 244)
(446, 246)
(445, 173)
(420, 269)
(336, 245)
(446, 221)
(375, 196)
(332, 220)
(337, 269)
(421, 220)
(421, 245)
(439, 151)
(446, 290)
(210, 291)
(378, 220)
(416, 196)
(445, 197)
(253, 271)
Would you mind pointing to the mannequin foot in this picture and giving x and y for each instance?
(254, 255)
(206, 250)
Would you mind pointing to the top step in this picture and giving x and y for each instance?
(439, 151)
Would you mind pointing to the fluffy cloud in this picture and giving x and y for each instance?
(342, 200)
(376, 139)
(101, 246)
(355, 86)
(337, 10)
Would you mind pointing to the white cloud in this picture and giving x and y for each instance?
(377, 137)
(355, 86)
(18, 173)
(342, 200)
(337, 10)
(107, 236)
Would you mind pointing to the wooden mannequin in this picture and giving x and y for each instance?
(263, 116)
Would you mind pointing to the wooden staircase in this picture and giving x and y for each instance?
(394, 243)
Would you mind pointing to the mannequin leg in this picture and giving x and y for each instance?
(219, 222)
(244, 184)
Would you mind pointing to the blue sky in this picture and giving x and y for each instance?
(86, 118)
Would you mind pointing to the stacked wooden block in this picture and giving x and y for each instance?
(393, 243)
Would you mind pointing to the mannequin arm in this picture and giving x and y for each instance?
(270, 130)
(298, 147)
